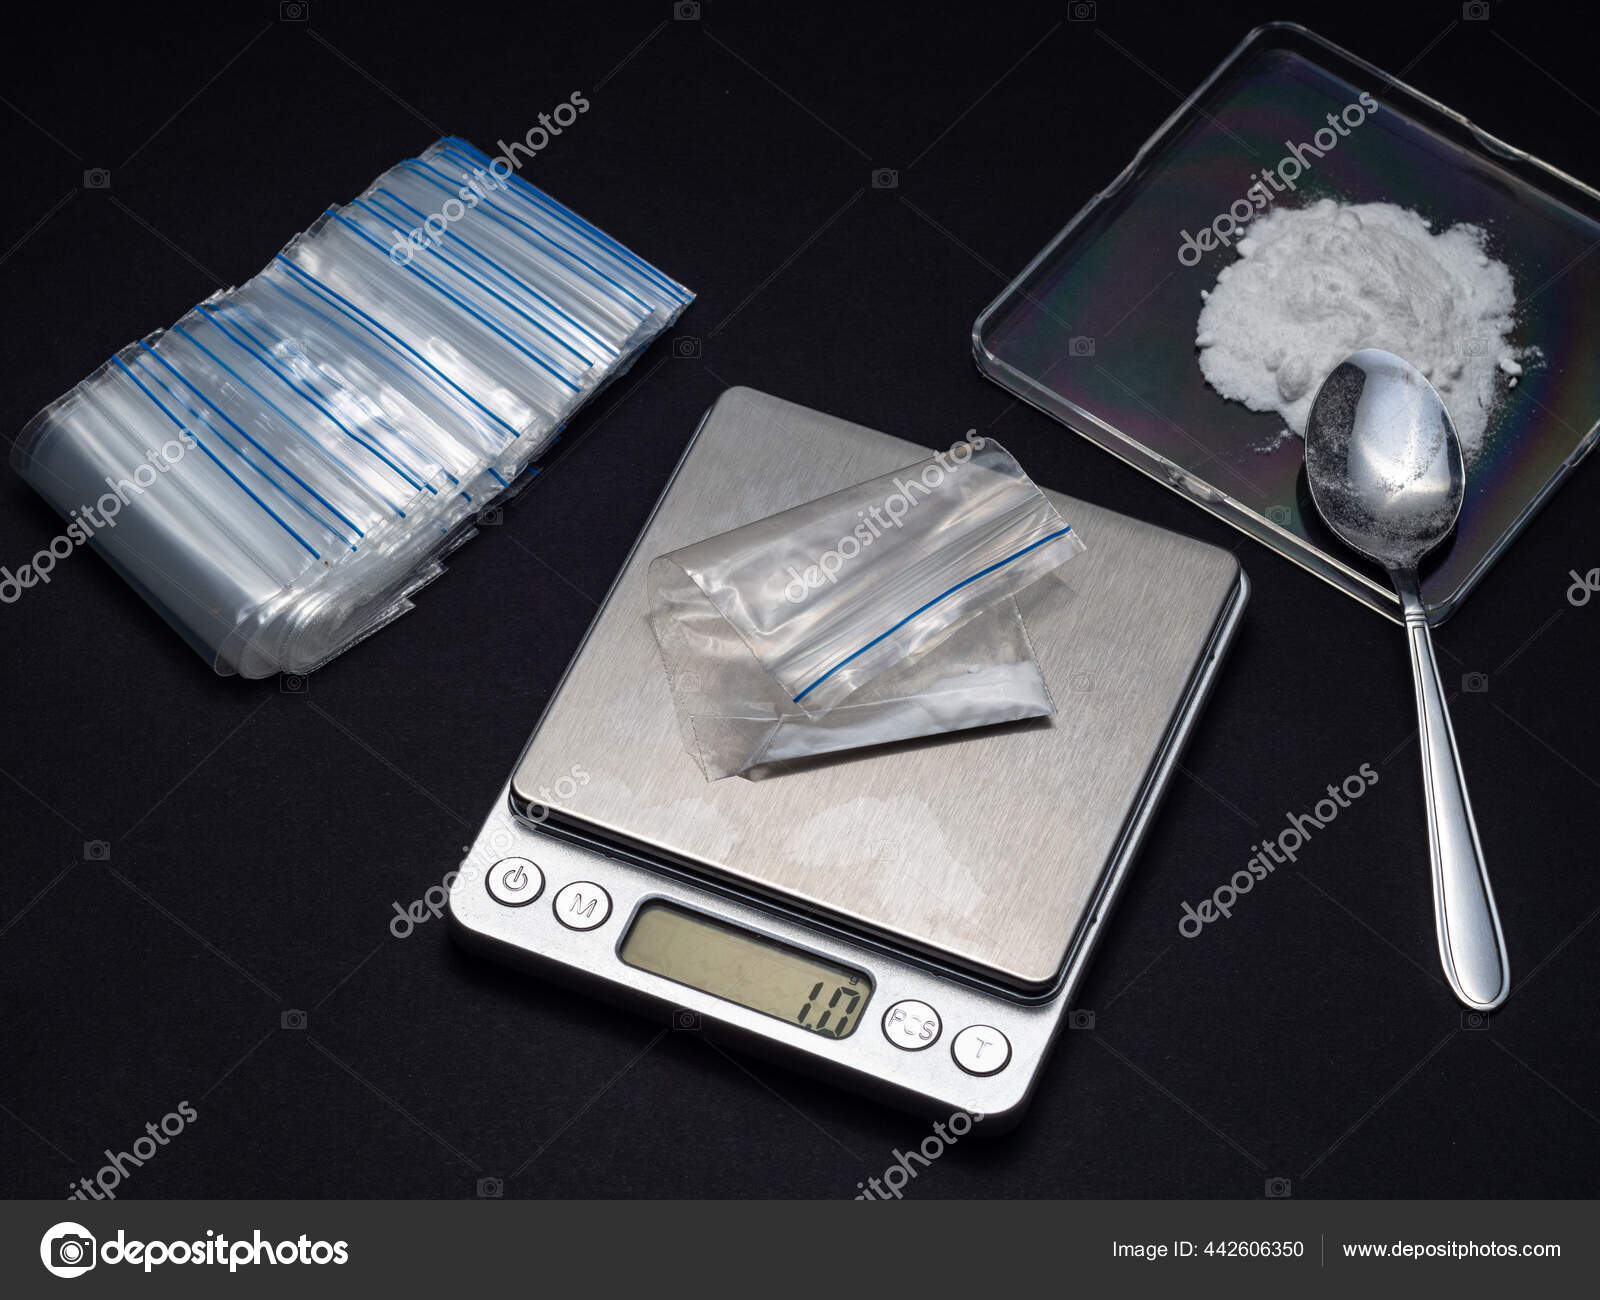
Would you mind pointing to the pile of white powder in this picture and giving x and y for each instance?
(1314, 284)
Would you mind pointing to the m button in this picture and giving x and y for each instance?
(582, 905)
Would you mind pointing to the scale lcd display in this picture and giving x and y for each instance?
(744, 968)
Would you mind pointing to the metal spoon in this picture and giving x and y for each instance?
(1384, 465)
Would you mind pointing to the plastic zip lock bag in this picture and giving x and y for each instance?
(291, 460)
(879, 613)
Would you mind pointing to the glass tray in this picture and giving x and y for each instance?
(1098, 331)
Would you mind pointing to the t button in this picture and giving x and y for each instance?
(981, 1049)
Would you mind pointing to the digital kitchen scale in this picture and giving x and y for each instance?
(909, 920)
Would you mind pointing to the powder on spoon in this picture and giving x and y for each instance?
(1314, 284)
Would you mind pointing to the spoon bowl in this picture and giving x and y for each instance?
(1383, 459)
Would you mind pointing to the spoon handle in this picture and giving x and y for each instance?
(1470, 943)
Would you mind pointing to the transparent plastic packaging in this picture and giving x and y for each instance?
(280, 471)
(882, 612)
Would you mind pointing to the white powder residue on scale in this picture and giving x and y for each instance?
(1314, 284)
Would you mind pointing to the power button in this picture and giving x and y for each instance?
(515, 882)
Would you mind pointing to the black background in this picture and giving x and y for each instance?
(258, 836)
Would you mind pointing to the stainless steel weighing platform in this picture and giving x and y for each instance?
(910, 921)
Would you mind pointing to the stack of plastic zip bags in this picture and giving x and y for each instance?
(278, 472)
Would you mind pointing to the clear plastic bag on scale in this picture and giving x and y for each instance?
(879, 613)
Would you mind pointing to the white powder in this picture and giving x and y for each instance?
(1313, 285)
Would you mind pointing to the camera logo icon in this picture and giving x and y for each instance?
(1080, 1019)
(686, 347)
(1080, 346)
(1279, 1189)
(1474, 683)
(491, 1189)
(885, 178)
(683, 1018)
(292, 1019)
(68, 1250)
(97, 178)
(96, 851)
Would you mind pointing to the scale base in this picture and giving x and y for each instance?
(606, 813)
